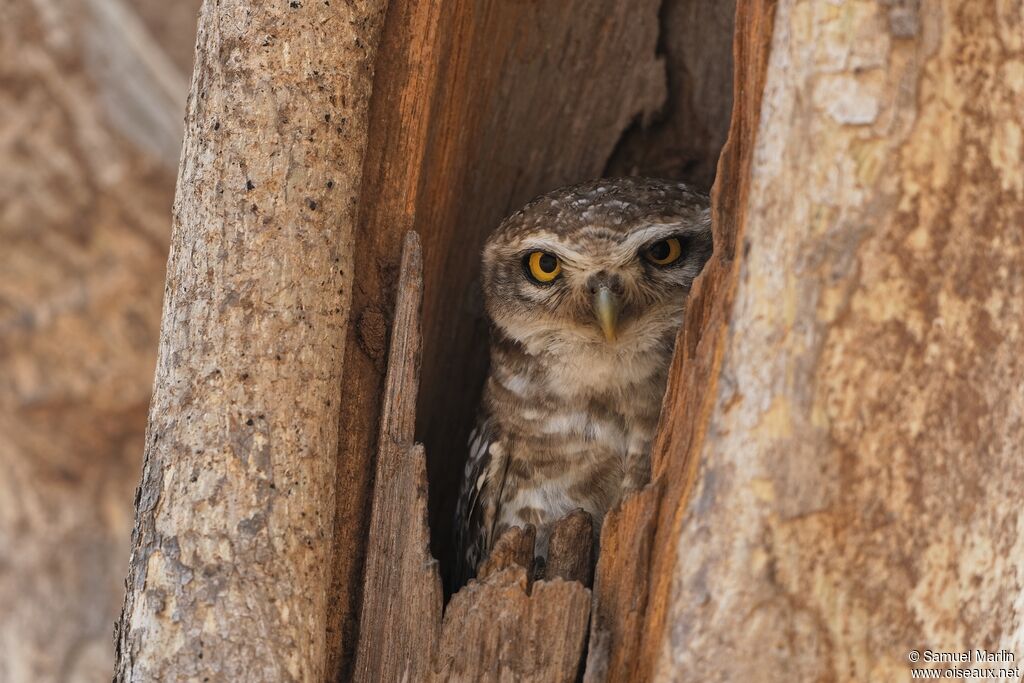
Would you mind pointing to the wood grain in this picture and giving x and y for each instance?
(404, 84)
(622, 587)
(402, 602)
(514, 548)
(571, 549)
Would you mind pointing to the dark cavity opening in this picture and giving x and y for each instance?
(531, 100)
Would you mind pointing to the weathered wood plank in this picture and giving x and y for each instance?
(402, 596)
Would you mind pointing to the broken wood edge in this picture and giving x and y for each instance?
(514, 548)
(570, 551)
(402, 600)
(499, 628)
(402, 382)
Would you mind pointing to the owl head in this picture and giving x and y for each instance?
(604, 265)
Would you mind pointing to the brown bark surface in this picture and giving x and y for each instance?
(84, 224)
(399, 114)
(857, 435)
(498, 630)
(570, 549)
(513, 548)
(229, 567)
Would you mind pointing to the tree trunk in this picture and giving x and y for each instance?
(231, 549)
(852, 366)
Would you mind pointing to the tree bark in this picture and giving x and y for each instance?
(854, 438)
(846, 382)
(232, 543)
(403, 92)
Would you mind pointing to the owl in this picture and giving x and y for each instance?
(585, 288)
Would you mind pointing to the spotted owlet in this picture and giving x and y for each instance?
(585, 288)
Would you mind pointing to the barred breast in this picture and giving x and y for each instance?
(574, 433)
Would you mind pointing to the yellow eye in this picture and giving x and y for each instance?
(542, 266)
(665, 252)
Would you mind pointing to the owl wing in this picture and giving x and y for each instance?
(479, 497)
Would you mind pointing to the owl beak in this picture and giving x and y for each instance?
(606, 308)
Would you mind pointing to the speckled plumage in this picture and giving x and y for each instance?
(568, 416)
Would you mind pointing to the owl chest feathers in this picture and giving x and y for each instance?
(573, 430)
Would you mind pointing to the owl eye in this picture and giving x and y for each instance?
(664, 252)
(542, 266)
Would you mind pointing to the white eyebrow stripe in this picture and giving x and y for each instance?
(653, 233)
(558, 248)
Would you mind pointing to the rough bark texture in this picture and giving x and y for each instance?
(513, 548)
(570, 549)
(229, 567)
(862, 440)
(84, 225)
(621, 589)
(498, 630)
